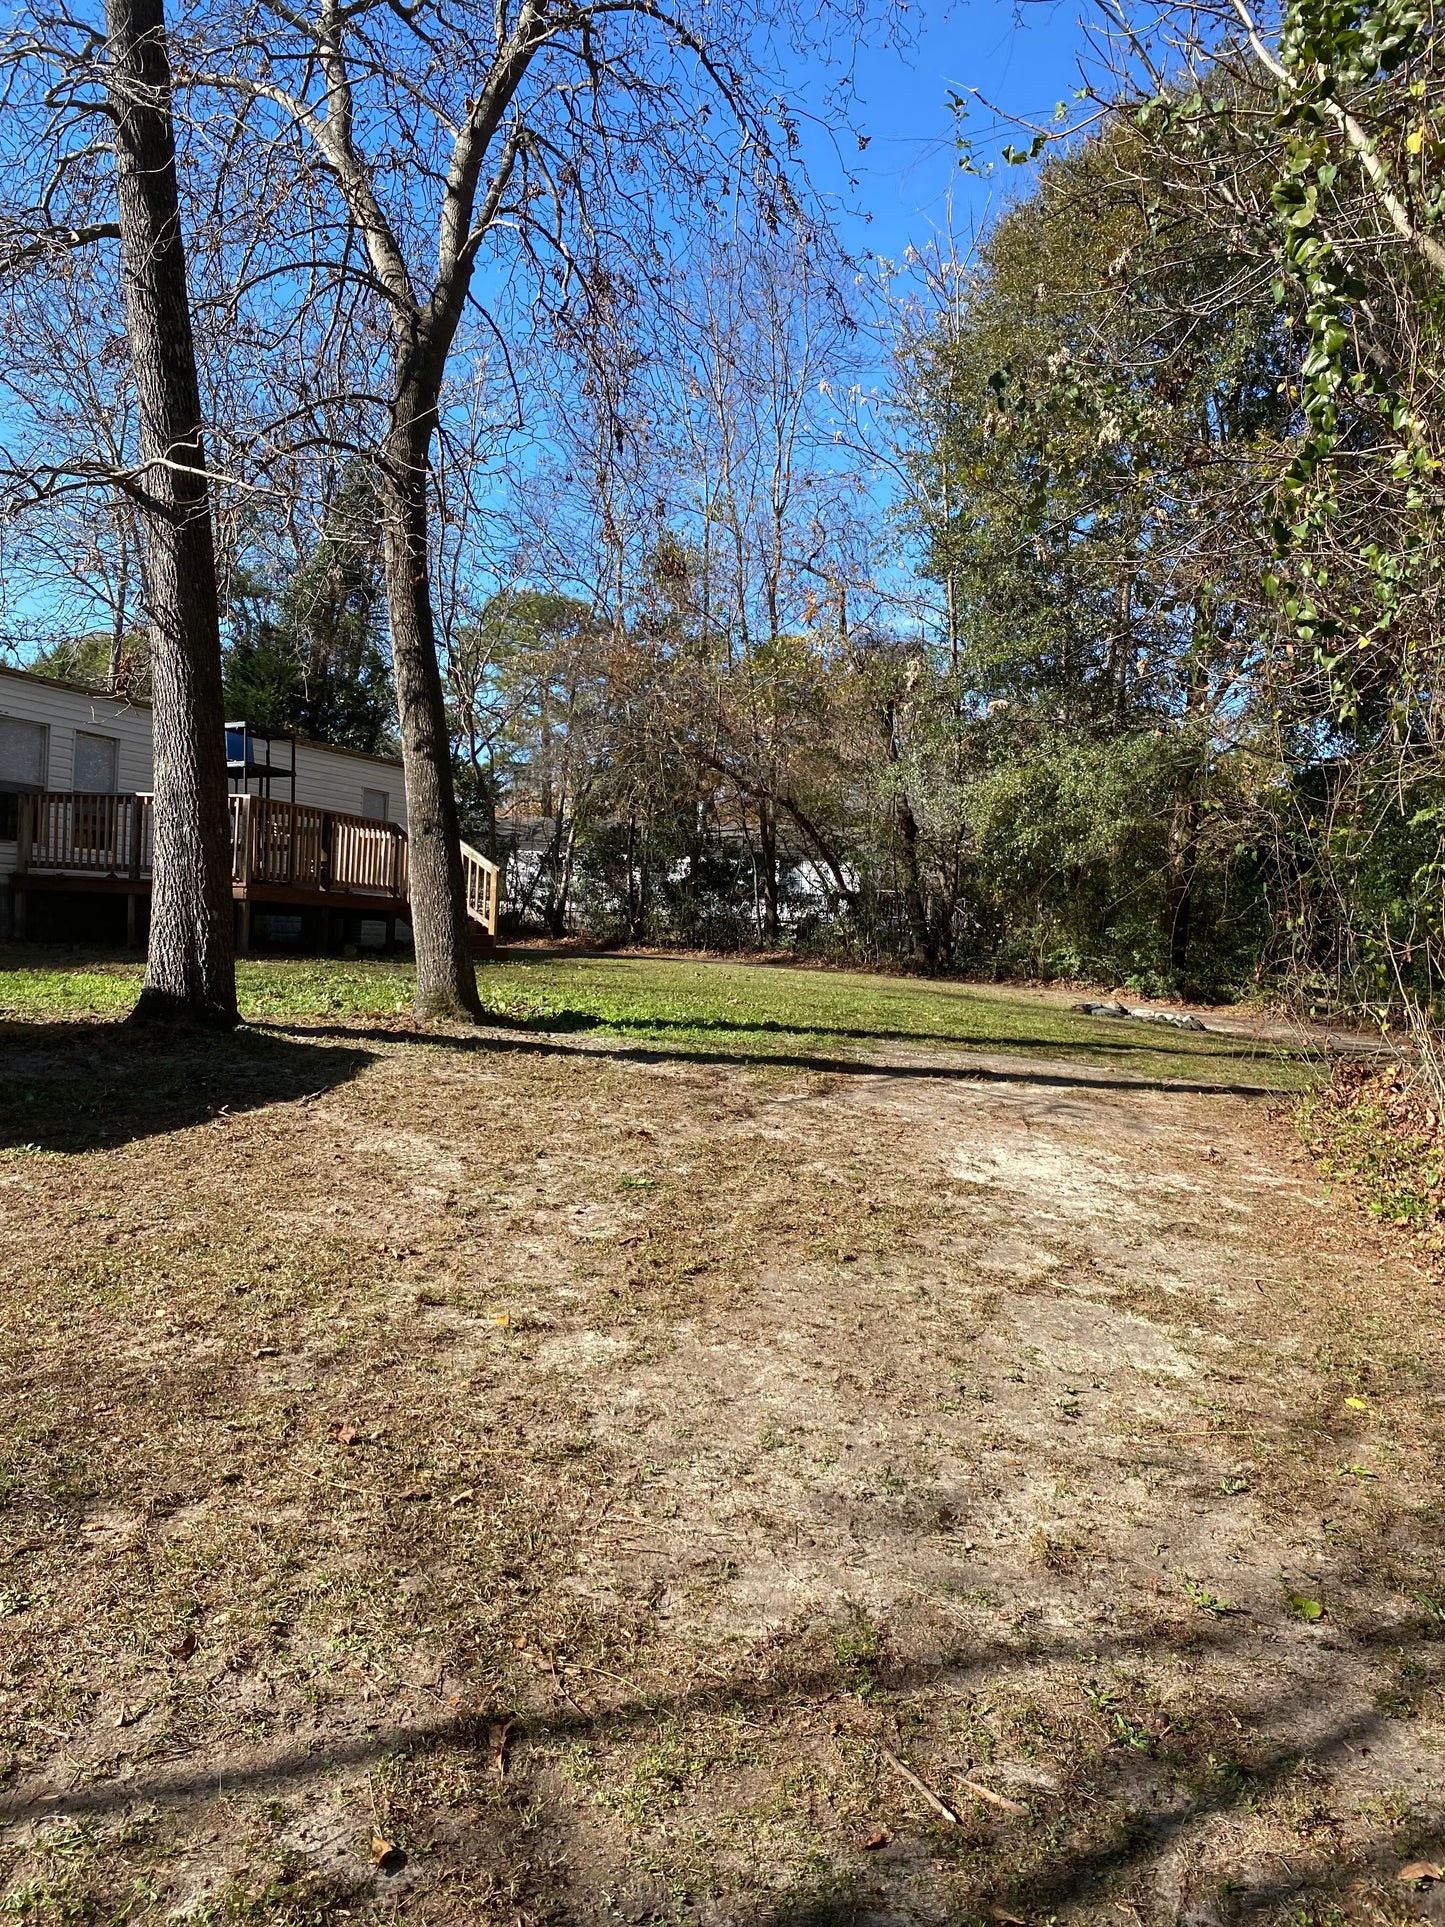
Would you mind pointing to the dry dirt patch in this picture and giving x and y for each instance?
(527, 1481)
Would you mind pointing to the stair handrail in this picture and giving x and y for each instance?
(482, 878)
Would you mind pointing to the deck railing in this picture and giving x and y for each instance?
(95, 835)
(298, 847)
(282, 845)
(480, 875)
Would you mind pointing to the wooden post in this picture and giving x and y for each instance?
(131, 937)
(134, 865)
(328, 832)
(243, 941)
(17, 914)
(24, 833)
(248, 837)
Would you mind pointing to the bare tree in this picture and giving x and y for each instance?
(556, 127)
(64, 71)
(72, 580)
(190, 968)
(764, 337)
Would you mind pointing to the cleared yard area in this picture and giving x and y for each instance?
(718, 1444)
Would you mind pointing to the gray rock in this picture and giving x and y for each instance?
(1177, 1019)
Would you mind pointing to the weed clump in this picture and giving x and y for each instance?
(1380, 1132)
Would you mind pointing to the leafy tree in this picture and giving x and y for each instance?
(1102, 452)
(308, 655)
(99, 661)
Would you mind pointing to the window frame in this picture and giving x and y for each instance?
(11, 790)
(95, 736)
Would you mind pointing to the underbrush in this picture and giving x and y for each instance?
(1379, 1130)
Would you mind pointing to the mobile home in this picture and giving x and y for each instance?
(317, 833)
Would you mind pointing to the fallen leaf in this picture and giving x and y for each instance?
(1420, 1870)
(501, 1318)
(386, 1855)
(1306, 1609)
(1357, 1404)
(462, 1498)
(344, 1432)
(268, 1351)
(876, 1840)
(999, 1913)
(414, 1494)
(183, 1648)
(1356, 1472)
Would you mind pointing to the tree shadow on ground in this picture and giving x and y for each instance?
(84, 1086)
(1149, 1041)
(967, 1071)
(1113, 1828)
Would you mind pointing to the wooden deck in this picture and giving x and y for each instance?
(282, 854)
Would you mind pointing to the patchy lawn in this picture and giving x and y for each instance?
(697, 1008)
(719, 1445)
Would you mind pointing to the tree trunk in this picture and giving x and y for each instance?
(190, 968)
(1183, 854)
(908, 829)
(913, 883)
(446, 982)
(557, 921)
(633, 925)
(1183, 863)
(768, 844)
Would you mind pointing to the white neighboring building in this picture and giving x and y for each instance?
(60, 741)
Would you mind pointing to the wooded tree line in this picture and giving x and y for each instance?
(1102, 636)
(1065, 602)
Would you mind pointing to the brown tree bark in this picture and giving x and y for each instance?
(913, 900)
(1183, 865)
(768, 846)
(190, 969)
(446, 980)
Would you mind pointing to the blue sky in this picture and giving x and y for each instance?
(1022, 58)
(1020, 54)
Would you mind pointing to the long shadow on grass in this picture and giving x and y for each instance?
(542, 1043)
(87, 1086)
(1104, 1043)
(1217, 1763)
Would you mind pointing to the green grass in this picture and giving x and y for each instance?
(693, 1008)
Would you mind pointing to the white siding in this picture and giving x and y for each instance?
(331, 779)
(63, 711)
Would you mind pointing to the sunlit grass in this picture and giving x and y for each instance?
(692, 1007)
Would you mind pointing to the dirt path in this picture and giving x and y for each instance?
(531, 1481)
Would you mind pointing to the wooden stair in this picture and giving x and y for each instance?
(482, 877)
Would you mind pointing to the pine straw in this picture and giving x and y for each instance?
(1380, 1133)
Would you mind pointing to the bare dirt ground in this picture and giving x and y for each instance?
(518, 1480)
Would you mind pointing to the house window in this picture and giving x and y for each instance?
(376, 805)
(95, 763)
(23, 749)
